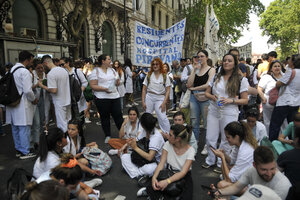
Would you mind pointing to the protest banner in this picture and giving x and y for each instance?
(150, 43)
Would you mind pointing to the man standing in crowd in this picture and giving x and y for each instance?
(264, 66)
(272, 55)
(59, 87)
(263, 172)
(176, 71)
(20, 117)
(240, 65)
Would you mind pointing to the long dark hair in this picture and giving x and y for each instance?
(232, 86)
(241, 129)
(184, 132)
(80, 132)
(48, 141)
(100, 58)
(148, 122)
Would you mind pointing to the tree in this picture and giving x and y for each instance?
(73, 18)
(281, 21)
(232, 15)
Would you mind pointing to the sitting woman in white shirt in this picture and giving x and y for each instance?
(75, 144)
(51, 145)
(150, 156)
(178, 155)
(239, 135)
(130, 129)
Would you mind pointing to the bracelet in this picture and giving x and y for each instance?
(169, 181)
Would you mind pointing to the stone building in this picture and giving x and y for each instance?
(33, 25)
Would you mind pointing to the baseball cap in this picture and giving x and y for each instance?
(259, 192)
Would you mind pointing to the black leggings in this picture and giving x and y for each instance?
(107, 107)
(187, 193)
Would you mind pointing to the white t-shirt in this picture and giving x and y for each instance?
(106, 80)
(242, 159)
(177, 161)
(267, 83)
(157, 86)
(219, 89)
(291, 95)
(51, 161)
(156, 142)
(59, 78)
(129, 133)
(279, 183)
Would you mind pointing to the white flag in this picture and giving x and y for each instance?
(211, 41)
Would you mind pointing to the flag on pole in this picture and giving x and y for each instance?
(211, 41)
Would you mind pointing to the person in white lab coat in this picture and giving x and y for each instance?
(129, 83)
(20, 117)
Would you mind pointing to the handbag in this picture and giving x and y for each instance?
(199, 95)
(98, 159)
(136, 158)
(274, 93)
(175, 188)
(186, 99)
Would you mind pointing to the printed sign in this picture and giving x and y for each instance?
(165, 44)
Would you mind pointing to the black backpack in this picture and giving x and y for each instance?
(17, 182)
(75, 87)
(8, 89)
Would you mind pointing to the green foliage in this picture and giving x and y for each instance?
(281, 21)
(233, 17)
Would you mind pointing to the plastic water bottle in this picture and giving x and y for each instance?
(197, 69)
(221, 107)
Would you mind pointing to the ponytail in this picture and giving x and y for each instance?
(184, 132)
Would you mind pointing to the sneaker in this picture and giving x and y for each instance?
(87, 120)
(218, 170)
(113, 152)
(106, 139)
(94, 182)
(98, 123)
(142, 192)
(128, 105)
(135, 103)
(18, 154)
(204, 151)
(206, 166)
(27, 156)
(143, 181)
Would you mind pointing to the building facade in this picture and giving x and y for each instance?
(33, 25)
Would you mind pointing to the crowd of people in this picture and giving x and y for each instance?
(250, 138)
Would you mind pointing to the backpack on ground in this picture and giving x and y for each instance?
(17, 182)
(8, 90)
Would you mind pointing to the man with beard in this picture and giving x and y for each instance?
(263, 172)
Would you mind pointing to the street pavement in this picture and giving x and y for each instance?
(116, 181)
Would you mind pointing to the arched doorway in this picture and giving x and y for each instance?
(108, 39)
(26, 19)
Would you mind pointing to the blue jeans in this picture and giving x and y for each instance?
(198, 108)
(21, 135)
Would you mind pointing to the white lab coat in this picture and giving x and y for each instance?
(22, 114)
(129, 84)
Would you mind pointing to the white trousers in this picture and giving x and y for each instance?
(153, 102)
(215, 126)
(134, 171)
(63, 115)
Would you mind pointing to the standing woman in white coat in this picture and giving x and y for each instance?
(155, 94)
(227, 90)
(129, 83)
(121, 88)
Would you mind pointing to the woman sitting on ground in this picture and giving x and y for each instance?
(156, 142)
(130, 129)
(69, 174)
(51, 146)
(75, 144)
(286, 138)
(240, 135)
(178, 155)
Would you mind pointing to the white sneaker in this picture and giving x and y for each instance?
(142, 192)
(87, 120)
(128, 105)
(204, 151)
(98, 123)
(106, 139)
(113, 152)
(94, 182)
(135, 103)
